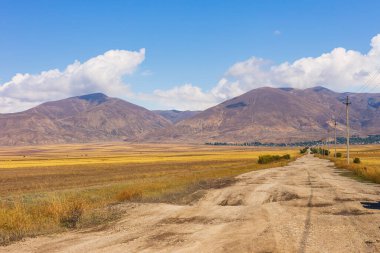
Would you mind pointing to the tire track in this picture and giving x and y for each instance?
(306, 230)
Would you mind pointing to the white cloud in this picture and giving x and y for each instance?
(339, 70)
(185, 97)
(276, 32)
(190, 97)
(99, 74)
(11, 105)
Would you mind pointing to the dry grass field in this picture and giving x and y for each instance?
(369, 166)
(46, 189)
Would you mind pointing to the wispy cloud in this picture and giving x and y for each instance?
(147, 72)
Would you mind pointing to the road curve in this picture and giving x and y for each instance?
(306, 206)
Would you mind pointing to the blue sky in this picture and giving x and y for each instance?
(193, 43)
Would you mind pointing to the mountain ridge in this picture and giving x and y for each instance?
(278, 115)
(87, 118)
(264, 114)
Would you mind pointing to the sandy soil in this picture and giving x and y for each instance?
(304, 207)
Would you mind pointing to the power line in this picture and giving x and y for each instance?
(367, 83)
(373, 88)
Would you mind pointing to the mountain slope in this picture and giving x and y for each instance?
(93, 117)
(277, 115)
(175, 116)
(264, 114)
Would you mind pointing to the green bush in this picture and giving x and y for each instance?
(338, 154)
(272, 158)
(314, 150)
(268, 158)
(356, 160)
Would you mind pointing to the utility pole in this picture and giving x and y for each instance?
(347, 103)
(323, 148)
(328, 142)
(334, 137)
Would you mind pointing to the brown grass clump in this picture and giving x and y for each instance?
(129, 194)
(28, 218)
(71, 216)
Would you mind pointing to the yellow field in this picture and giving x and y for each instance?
(50, 188)
(368, 168)
(105, 154)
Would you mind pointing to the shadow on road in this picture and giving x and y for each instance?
(371, 205)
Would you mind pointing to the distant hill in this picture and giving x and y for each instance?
(266, 115)
(277, 115)
(175, 116)
(93, 117)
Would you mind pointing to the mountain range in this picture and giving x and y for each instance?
(265, 114)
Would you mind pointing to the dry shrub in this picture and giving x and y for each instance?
(72, 214)
(129, 194)
(14, 223)
(21, 217)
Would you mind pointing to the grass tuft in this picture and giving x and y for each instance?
(72, 215)
(129, 194)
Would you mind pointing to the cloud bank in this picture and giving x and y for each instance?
(102, 73)
(339, 70)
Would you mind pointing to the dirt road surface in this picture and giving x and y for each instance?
(307, 206)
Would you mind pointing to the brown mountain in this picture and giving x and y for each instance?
(175, 116)
(93, 117)
(264, 114)
(277, 115)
